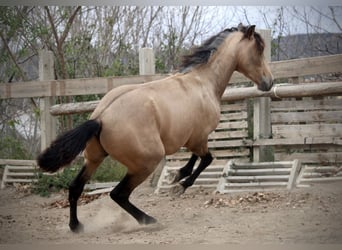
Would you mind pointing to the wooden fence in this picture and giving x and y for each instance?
(239, 176)
(305, 128)
(309, 129)
(22, 171)
(101, 85)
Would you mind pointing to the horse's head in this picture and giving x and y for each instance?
(250, 58)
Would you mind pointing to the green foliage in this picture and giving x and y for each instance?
(13, 148)
(79, 55)
(126, 65)
(160, 65)
(107, 172)
(48, 184)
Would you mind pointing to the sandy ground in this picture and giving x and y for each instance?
(306, 215)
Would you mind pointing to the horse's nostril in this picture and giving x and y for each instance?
(270, 85)
(265, 85)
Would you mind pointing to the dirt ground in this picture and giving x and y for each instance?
(305, 215)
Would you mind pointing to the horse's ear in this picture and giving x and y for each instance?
(250, 31)
(240, 27)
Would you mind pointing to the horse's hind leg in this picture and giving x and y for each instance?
(120, 194)
(94, 155)
(184, 171)
(181, 187)
(75, 191)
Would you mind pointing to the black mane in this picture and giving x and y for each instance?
(202, 53)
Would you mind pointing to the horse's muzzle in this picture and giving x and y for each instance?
(265, 84)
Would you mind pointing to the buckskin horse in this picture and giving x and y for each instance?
(139, 124)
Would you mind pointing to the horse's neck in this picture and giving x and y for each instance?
(218, 71)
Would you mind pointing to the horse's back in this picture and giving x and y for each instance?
(110, 98)
(158, 116)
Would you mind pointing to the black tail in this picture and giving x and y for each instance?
(67, 146)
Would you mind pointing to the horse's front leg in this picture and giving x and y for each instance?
(188, 182)
(184, 171)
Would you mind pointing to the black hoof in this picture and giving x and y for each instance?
(147, 220)
(177, 190)
(76, 228)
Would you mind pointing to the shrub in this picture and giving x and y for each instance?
(108, 171)
(48, 184)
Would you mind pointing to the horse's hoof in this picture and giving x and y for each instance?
(174, 178)
(77, 228)
(148, 220)
(177, 190)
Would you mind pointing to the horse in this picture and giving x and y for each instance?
(139, 124)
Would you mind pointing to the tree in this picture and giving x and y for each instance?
(319, 29)
(105, 40)
(18, 47)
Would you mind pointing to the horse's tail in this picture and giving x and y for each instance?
(67, 146)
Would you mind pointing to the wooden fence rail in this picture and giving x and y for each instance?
(71, 87)
(232, 148)
(285, 91)
(231, 94)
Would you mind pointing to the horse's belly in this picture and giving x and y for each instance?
(169, 150)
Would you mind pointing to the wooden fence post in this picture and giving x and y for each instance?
(147, 67)
(262, 113)
(146, 61)
(47, 121)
